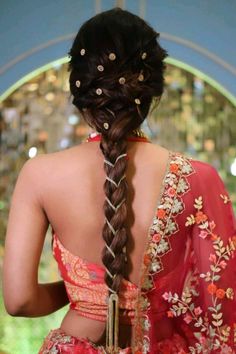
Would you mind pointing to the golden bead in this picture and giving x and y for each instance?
(122, 80)
(137, 101)
(99, 91)
(77, 83)
(82, 51)
(112, 56)
(106, 125)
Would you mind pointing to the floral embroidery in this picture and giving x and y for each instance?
(57, 341)
(225, 198)
(53, 338)
(213, 333)
(164, 225)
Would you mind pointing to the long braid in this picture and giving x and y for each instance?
(114, 231)
(117, 68)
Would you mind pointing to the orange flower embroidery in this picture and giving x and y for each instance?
(161, 213)
(211, 288)
(220, 293)
(147, 259)
(174, 167)
(214, 237)
(200, 217)
(170, 314)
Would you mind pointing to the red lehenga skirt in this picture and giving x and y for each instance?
(58, 342)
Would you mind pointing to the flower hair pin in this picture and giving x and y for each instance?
(106, 125)
(122, 80)
(112, 56)
(144, 55)
(99, 91)
(100, 68)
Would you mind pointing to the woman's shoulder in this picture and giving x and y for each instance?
(57, 159)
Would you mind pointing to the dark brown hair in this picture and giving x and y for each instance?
(128, 37)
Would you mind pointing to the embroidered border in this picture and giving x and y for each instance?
(164, 225)
(213, 334)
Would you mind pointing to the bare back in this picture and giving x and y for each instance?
(73, 199)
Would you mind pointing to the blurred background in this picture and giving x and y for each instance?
(196, 116)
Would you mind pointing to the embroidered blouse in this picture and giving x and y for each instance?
(86, 289)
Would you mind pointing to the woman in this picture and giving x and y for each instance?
(144, 237)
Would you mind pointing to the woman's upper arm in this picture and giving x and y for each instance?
(26, 229)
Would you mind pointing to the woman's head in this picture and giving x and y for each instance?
(117, 52)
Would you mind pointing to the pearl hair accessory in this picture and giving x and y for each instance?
(140, 77)
(99, 91)
(144, 55)
(112, 56)
(122, 80)
(106, 125)
(100, 68)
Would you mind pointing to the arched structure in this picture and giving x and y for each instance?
(198, 36)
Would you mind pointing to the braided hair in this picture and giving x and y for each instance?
(116, 69)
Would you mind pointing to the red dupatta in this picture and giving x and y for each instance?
(187, 290)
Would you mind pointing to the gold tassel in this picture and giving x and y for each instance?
(112, 326)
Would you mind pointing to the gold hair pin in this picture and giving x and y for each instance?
(112, 56)
(122, 80)
(100, 68)
(140, 77)
(137, 101)
(144, 55)
(99, 91)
